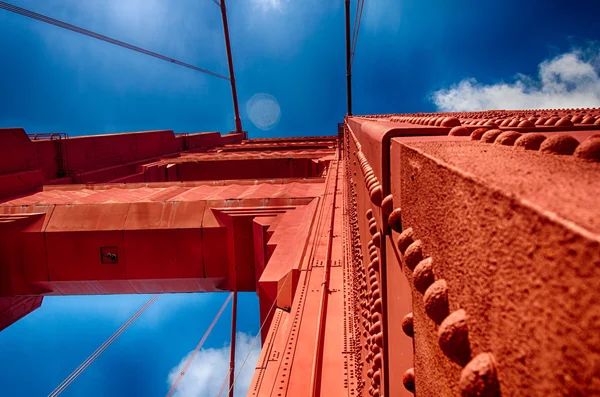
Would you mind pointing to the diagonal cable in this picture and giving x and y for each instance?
(358, 18)
(77, 29)
(73, 376)
(197, 349)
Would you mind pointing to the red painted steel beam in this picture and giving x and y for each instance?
(315, 378)
(406, 232)
(471, 174)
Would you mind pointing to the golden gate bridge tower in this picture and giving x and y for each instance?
(430, 254)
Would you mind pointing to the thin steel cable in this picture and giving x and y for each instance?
(217, 2)
(354, 24)
(33, 15)
(87, 362)
(362, 6)
(197, 349)
(254, 341)
(357, 28)
(356, 13)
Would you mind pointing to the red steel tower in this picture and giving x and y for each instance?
(434, 254)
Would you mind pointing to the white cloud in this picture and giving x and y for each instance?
(570, 80)
(210, 366)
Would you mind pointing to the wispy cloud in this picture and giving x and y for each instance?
(210, 367)
(570, 80)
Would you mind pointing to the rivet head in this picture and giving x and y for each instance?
(408, 325)
(377, 240)
(453, 337)
(374, 286)
(413, 254)
(480, 378)
(529, 141)
(423, 275)
(559, 144)
(564, 122)
(526, 124)
(376, 194)
(369, 214)
(450, 122)
(377, 377)
(436, 301)
(375, 349)
(378, 339)
(459, 131)
(490, 136)
(377, 306)
(507, 138)
(408, 380)
(373, 228)
(588, 120)
(405, 239)
(387, 204)
(374, 264)
(395, 220)
(478, 133)
(589, 150)
(370, 182)
(377, 361)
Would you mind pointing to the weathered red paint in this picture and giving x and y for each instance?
(435, 254)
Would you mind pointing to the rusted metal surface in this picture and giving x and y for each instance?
(428, 254)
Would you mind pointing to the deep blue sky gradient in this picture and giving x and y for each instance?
(54, 80)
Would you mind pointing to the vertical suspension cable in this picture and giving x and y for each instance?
(239, 371)
(232, 348)
(197, 349)
(236, 110)
(87, 362)
(348, 64)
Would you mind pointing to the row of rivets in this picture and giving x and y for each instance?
(478, 377)
(563, 144)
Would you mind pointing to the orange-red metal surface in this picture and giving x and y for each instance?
(434, 254)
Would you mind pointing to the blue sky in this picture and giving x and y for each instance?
(413, 55)
(42, 349)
